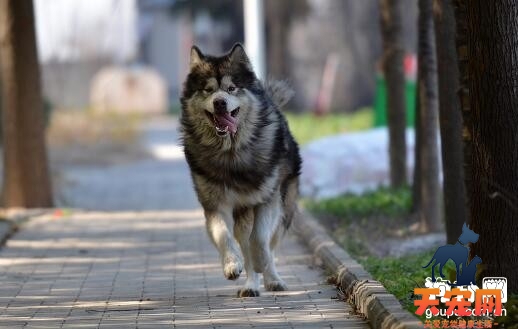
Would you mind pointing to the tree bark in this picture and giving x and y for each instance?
(450, 121)
(280, 16)
(26, 175)
(429, 213)
(416, 181)
(277, 38)
(486, 45)
(392, 35)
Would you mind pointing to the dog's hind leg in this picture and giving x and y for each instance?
(220, 228)
(266, 221)
(244, 221)
(272, 280)
(267, 232)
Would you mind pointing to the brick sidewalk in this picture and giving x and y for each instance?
(149, 270)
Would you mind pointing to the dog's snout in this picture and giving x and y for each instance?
(220, 105)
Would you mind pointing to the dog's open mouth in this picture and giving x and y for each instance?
(224, 122)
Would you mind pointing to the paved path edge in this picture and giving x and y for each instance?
(11, 220)
(7, 228)
(368, 296)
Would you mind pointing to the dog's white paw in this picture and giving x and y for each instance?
(277, 285)
(232, 267)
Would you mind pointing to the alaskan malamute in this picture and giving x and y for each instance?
(244, 162)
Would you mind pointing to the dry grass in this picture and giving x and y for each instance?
(89, 128)
(93, 138)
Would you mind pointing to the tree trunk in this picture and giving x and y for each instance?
(392, 35)
(26, 179)
(450, 121)
(416, 181)
(486, 46)
(428, 107)
(277, 39)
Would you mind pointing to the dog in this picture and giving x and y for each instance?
(244, 162)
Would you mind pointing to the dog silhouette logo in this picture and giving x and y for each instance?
(459, 254)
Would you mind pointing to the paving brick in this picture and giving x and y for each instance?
(150, 270)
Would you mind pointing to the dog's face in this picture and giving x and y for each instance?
(219, 92)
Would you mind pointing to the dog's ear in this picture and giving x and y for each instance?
(238, 55)
(196, 57)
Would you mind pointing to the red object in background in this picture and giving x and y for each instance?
(410, 67)
(58, 213)
(325, 94)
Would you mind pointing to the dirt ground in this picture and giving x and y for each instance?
(382, 236)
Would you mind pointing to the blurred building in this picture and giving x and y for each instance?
(76, 39)
(163, 40)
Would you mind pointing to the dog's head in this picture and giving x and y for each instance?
(219, 92)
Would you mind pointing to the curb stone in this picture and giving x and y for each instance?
(367, 295)
(12, 219)
(7, 227)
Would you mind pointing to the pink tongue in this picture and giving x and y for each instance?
(226, 120)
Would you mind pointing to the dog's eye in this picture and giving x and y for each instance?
(231, 89)
(208, 90)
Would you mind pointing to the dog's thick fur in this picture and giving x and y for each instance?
(245, 173)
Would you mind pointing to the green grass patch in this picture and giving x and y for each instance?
(362, 224)
(401, 275)
(383, 201)
(511, 320)
(356, 221)
(356, 213)
(308, 127)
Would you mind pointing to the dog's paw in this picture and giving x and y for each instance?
(247, 292)
(232, 268)
(276, 286)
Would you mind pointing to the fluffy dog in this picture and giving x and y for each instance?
(245, 164)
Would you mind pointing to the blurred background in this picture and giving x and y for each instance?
(112, 74)
(326, 49)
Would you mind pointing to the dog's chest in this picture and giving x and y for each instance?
(260, 194)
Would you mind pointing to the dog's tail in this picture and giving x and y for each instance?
(279, 91)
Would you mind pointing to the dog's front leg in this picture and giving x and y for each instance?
(244, 221)
(219, 226)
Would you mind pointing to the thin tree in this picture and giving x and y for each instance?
(26, 174)
(280, 15)
(429, 212)
(392, 34)
(486, 46)
(416, 179)
(450, 121)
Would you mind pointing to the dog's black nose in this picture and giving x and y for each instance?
(220, 105)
